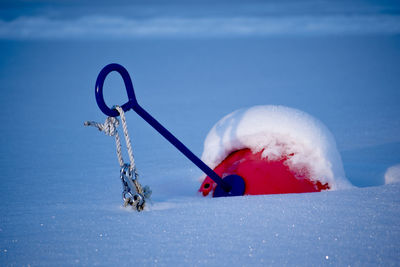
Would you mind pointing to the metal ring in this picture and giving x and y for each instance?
(128, 86)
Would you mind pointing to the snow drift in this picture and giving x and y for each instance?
(392, 174)
(277, 131)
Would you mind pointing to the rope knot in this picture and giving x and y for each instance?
(109, 127)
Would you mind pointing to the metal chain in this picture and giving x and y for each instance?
(129, 183)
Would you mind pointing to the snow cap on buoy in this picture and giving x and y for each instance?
(282, 142)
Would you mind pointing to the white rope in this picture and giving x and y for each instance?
(109, 127)
(128, 145)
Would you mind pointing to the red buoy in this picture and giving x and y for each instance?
(263, 175)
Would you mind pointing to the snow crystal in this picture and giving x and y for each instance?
(278, 130)
(392, 174)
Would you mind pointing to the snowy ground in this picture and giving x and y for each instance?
(59, 184)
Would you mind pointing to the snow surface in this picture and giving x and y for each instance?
(60, 191)
(278, 131)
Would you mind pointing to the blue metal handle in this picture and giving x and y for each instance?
(128, 85)
(233, 187)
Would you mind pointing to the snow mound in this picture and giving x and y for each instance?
(277, 131)
(392, 174)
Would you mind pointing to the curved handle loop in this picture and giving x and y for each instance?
(132, 102)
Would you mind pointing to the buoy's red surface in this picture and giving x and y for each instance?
(263, 176)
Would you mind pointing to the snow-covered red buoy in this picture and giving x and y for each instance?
(276, 150)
